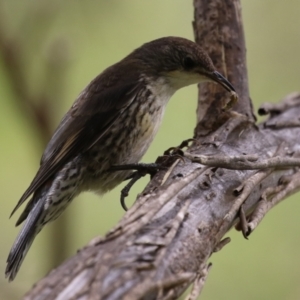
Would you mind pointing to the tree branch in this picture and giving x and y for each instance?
(246, 162)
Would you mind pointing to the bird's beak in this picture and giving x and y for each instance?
(217, 77)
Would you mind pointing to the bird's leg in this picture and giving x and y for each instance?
(142, 169)
(150, 168)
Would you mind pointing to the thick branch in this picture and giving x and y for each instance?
(173, 228)
(218, 28)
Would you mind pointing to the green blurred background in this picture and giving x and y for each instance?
(62, 45)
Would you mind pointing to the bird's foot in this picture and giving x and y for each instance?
(141, 169)
(178, 150)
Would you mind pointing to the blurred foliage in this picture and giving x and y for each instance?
(78, 39)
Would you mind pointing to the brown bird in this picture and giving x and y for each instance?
(112, 122)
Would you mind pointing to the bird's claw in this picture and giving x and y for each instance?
(178, 150)
(141, 169)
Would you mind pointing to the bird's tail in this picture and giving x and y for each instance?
(24, 240)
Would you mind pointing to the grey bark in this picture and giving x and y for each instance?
(163, 243)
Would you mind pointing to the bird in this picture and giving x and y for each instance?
(112, 122)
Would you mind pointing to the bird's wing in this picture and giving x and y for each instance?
(92, 114)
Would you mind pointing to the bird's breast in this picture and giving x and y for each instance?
(129, 137)
(149, 123)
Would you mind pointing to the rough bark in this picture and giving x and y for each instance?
(163, 243)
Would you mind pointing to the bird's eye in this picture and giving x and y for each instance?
(188, 63)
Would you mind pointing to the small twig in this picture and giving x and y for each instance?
(221, 244)
(246, 189)
(282, 123)
(168, 173)
(199, 283)
(265, 205)
(244, 162)
(291, 100)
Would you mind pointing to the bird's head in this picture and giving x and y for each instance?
(181, 61)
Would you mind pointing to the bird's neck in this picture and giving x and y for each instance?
(160, 88)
